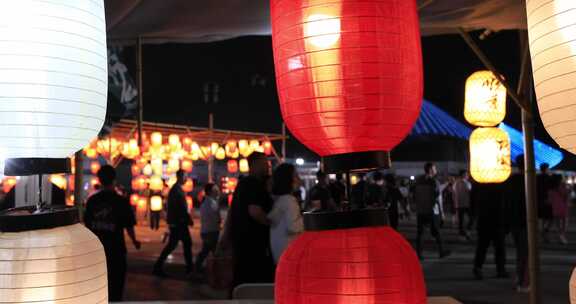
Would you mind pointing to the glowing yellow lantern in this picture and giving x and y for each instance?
(173, 166)
(206, 152)
(187, 166)
(147, 170)
(174, 141)
(58, 180)
(231, 184)
(188, 185)
(194, 155)
(186, 142)
(70, 200)
(214, 148)
(90, 152)
(244, 148)
(485, 100)
(220, 154)
(94, 182)
(267, 145)
(135, 170)
(244, 167)
(490, 155)
(134, 199)
(232, 149)
(254, 144)
(156, 164)
(156, 203)
(195, 147)
(156, 183)
(156, 139)
(94, 167)
(142, 204)
(139, 183)
(8, 183)
(171, 181)
(232, 166)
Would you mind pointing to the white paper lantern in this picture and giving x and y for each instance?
(552, 32)
(53, 76)
(62, 265)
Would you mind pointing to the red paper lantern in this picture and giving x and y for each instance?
(232, 166)
(358, 265)
(349, 74)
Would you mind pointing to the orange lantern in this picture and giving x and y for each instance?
(231, 184)
(232, 149)
(131, 149)
(206, 152)
(94, 182)
(134, 198)
(267, 145)
(70, 200)
(188, 185)
(8, 183)
(187, 165)
(232, 166)
(156, 183)
(186, 142)
(135, 169)
(156, 203)
(173, 166)
(94, 167)
(220, 154)
(147, 170)
(58, 180)
(90, 152)
(156, 139)
(71, 182)
(139, 183)
(156, 164)
(244, 167)
(142, 204)
(194, 155)
(244, 148)
(214, 147)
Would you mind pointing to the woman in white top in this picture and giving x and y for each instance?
(285, 218)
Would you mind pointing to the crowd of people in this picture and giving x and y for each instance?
(266, 214)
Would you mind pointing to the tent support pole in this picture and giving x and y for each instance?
(283, 142)
(78, 181)
(211, 158)
(140, 116)
(525, 89)
(523, 99)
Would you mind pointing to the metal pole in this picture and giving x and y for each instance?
(140, 116)
(78, 181)
(211, 158)
(283, 142)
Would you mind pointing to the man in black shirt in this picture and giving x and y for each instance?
(178, 219)
(249, 226)
(107, 215)
(320, 196)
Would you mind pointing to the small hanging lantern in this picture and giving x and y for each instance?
(94, 167)
(244, 147)
(187, 166)
(220, 154)
(254, 144)
(231, 184)
(157, 166)
(156, 139)
(139, 183)
(173, 166)
(232, 166)
(188, 185)
(551, 32)
(156, 183)
(8, 183)
(214, 148)
(147, 170)
(90, 152)
(94, 182)
(267, 146)
(134, 198)
(490, 155)
(172, 181)
(485, 100)
(231, 148)
(206, 152)
(244, 167)
(70, 200)
(156, 203)
(58, 180)
(142, 204)
(135, 170)
(174, 141)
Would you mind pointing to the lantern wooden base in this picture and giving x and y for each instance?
(357, 162)
(34, 166)
(316, 221)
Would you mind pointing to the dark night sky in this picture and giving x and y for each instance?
(174, 77)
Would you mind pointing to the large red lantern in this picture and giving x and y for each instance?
(349, 76)
(349, 264)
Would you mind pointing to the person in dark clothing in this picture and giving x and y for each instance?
(107, 215)
(516, 210)
(358, 193)
(426, 194)
(320, 196)
(376, 191)
(544, 207)
(210, 220)
(338, 190)
(491, 227)
(393, 199)
(178, 220)
(249, 230)
(462, 200)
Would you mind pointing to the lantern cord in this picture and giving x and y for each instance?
(474, 47)
(425, 4)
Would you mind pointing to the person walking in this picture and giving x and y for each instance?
(376, 191)
(393, 200)
(462, 189)
(320, 196)
(286, 221)
(426, 198)
(249, 227)
(211, 221)
(338, 190)
(178, 220)
(544, 206)
(107, 215)
(559, 198)
(492, 227)
(516, 210)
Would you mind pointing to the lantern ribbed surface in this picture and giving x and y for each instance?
(62, 265)
(485, 100)
(354, 266)
(552, 33)
(53, 76)
(349, 73)
(490, 155)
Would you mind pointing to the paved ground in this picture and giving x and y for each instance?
(451, 276)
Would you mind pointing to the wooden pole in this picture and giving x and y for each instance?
(140, 116)
(283, 142)
(211, 158)
(78, 181)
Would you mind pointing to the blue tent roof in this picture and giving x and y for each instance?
(435, 121)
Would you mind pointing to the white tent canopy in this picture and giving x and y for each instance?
(159, 21)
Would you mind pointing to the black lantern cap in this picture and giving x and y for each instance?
(317, 221)
(28, 218)
(357, 162)
(35, 166)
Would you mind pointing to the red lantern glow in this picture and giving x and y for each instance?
(94, 167)
(232, 166)
(349, 73)
(359, 265)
